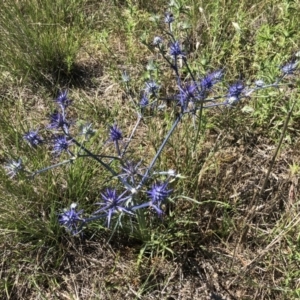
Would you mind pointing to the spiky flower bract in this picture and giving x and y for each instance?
(115, 133)
(58, 121)
(61, 144)
(158, 193)
(169, 18)
(175, 50)
(71, 219)
(63, 100)
(131, 171)
(33, 138)
(113, 203)
(157, 41)
(87, 130)
(234, 92)
(151, 87)
(144, 101)
(13, 167)
(210, 79)
(206, 83)
(186, 94)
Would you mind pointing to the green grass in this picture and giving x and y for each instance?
(40, 40)
(221, 233)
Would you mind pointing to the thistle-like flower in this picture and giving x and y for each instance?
(113, 203)
(186, 94)
(217, 75)
(169, 18)
(61, 144)
(234, 92)
(63, 100)
(158, 193)
(206, 83)
(71, 219)
(33, 138)
(151, 87)
(13, 167)
(58, 121)
(175, 50)
(115, 133)
(210, 79)
(130, 171)
(144, 101)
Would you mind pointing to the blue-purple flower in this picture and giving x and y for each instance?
(158, 193)
(144, 101)
(115, 133)
(63, 100)
(210, 79)
(58, 121)
(33, 138)
(206, 83)
(175, 49)
(61, 144)
(186, 94)
(113, 203)
(71, 219)
(131, 169)
(13, 167)
(169, 18)
(234, 92)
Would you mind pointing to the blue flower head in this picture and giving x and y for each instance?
(131, 170)
(158, 193)
(186, 94)
(61, 144)
(13, 167)
(144, 101)
(71, 219)
(63, 100)
(234, 92)
(112, 203)
(115, 133)
(217, 75)
(58, 121)
(209, 80)
(206, 83)
(169, 18)
(175, 49)
(33, 138)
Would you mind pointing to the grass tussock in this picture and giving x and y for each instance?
(231, 229)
